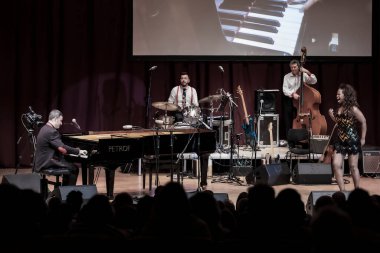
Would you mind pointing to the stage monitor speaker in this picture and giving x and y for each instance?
(268, 98)
(314, 195)
(88, 191)
(371, 161)
(30, 181)
(273, 174)
(241, 171)
(218, 196)
(221, 197)
(312, 173)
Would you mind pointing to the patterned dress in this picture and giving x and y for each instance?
(347, 139)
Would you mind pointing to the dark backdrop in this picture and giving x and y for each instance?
(74, 56)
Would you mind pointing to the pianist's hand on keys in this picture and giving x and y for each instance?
(82, 152)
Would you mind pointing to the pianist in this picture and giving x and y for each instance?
(50, 149)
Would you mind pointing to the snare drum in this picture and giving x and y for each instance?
(191, 114)
(165, 122)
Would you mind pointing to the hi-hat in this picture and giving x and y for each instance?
(210, 98)
(167, 106)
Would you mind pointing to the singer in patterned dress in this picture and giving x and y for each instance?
(349, 140)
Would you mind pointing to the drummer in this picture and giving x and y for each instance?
(183, 95)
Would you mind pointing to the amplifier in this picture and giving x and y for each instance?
(263, 132)
(318, 143)
(371, 161)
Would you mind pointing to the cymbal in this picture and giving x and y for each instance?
(167, 106)
(210, 98)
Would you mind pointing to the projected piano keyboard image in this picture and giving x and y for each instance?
(265, 24)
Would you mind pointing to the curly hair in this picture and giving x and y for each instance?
(350, 99)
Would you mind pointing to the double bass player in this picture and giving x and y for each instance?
(290, 87)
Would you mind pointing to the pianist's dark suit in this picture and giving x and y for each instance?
(50, 152)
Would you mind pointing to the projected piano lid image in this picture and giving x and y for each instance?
(272, 25)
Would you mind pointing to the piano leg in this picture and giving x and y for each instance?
(84, 173)
(91, 172)
(110, 181)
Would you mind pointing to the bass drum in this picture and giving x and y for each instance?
(191, 114)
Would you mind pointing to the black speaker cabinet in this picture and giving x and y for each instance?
(273, 174)
(312, 173)
(221, 197)
(218, 196)
(266, 101)
(88, 191)
(314, 195)
(30, 181)
(371, 161)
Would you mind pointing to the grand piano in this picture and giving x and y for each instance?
(111, 149)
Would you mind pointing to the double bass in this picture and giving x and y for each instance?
(308, 114)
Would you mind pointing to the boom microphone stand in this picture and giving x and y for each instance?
(148, 99)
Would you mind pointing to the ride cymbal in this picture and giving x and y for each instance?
(210, 98)
(167, 106)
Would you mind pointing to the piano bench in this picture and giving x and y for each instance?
(56, 172)
(149, 165)
(189, 156)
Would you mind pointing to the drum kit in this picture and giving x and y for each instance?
(193, 116)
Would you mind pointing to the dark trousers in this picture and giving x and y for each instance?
(70, 179)
(289, 113)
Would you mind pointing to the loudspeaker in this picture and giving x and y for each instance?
(312, 173)
(371, 161)
(314, 195)
(30, 181)
(318, 144)
(88, 191)
(221, 197)
(273, 174)
(241, 171)
(218, 196)
(268, 97)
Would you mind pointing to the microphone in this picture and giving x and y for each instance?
(221, 68)
(75, 123)
(261, 105)
(153, 68)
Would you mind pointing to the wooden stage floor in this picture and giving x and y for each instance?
(131, 182)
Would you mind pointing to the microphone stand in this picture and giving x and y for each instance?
(255, 148)
(157, 153)
(231, 175)
(171, 157)
(148, 102)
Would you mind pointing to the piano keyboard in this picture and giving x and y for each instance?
(274, 25)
